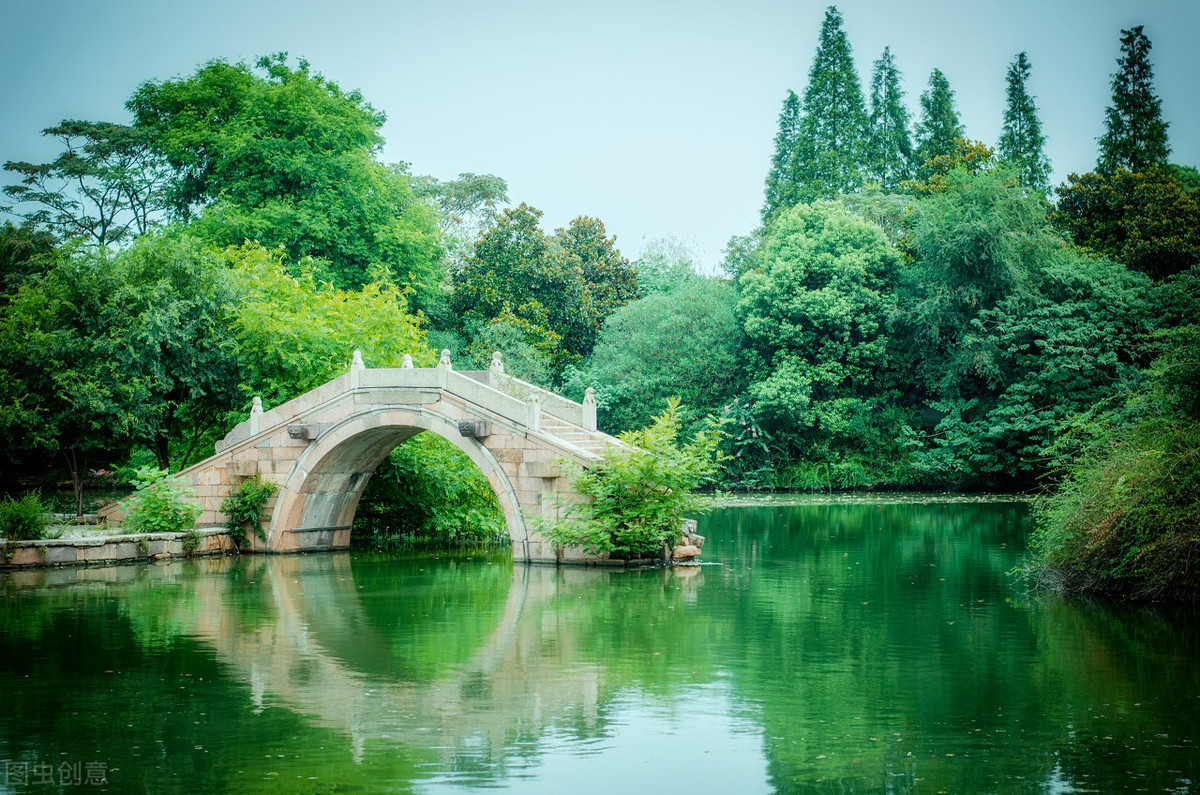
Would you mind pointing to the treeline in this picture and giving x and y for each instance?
(916, 308)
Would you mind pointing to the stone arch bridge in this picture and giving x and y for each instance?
(321, 449)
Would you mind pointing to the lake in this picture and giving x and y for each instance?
(826, 645)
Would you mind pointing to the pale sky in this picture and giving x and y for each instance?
(657, 118)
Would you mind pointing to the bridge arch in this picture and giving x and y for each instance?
(318, 499)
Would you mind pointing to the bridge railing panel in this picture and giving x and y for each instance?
(552, 404)
(399, 376)
(483, 395)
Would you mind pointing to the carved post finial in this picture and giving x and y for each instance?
(533, 419)
(256, 411)
(497, 362)
(356, 369)
(589, 409)
(407, 365)
(444, 361)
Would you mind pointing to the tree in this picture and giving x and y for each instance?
(559, 287)
(1008, 330)
(1148, 220)
(284, 157)
(816, 313)
(1022, 144)
(685, 342)
(467, 206)
(24, 251)
(970, 242)
(1135, 135)
(109, 184)
(110, 350)
(889, 147)
(939, 125)
(295, 332)
(781, 179)
(830, 155)
(664, 264)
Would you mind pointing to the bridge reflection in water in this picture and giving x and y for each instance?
(321, 636)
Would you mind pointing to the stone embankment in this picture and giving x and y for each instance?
(100, 550)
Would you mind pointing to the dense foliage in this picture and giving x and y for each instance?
(429, 492)
(243, 508)
(1126, 520)
(636, 497)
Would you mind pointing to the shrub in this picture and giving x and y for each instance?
(637, 495)
(160, 504)
(244, 508)
(191, 541)
(24, 519)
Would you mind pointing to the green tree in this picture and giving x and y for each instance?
(781, 179)
(663, 264)
(816, 312)
(295, 332)
(430, 491)
(1148, 220)
(685, 342)
(284, 157)
(108, 185)
(24, 251)
(1022, 144)
(889, 147)
(939, 124)
(1135, 135)
(104, 351)
(1008, 331)
(970, 242)
(558, 287)
(830, 150)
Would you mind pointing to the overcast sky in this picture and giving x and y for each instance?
(657, 118)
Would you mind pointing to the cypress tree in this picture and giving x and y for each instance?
(781, 181)
(889, 147)
(1135, 135)
(830, 148)
(939, 124)
(1022, 143)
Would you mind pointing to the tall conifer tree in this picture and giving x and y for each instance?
(1135, 135)
(781, 180)
(831, 146)
(939, 124)
(1022, 144)
(889, 147)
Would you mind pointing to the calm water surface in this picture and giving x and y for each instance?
(841, 647)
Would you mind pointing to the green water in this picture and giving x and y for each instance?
(842, 647)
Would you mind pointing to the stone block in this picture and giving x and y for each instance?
(244, 468)
(510, 455)
(542, 469)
